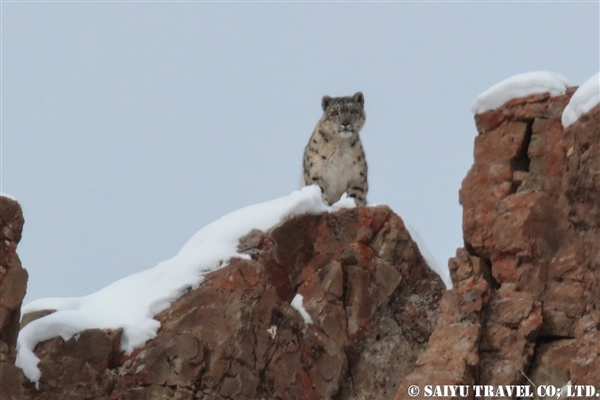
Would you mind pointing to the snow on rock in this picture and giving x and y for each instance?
(131, 302)
(432, 262)
(430, 259)
(520, 85)
(586, 97)
(298, 304)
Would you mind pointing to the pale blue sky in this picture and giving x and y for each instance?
(126, 127)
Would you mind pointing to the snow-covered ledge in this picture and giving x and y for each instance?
(132, 302)
(586, 97)
(520, 85)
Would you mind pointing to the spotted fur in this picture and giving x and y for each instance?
(334, 157)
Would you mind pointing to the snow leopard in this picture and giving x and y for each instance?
(334, 157)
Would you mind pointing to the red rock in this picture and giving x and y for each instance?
(530, 280)
(585, 366)
(13, 282)
(551, 363)
(371, 297)
(452, 355)
(524, 307)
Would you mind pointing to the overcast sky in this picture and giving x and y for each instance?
(128, 126)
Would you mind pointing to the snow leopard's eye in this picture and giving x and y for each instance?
(334, 113)
(354, 111)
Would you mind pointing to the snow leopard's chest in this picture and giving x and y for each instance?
(338, 170)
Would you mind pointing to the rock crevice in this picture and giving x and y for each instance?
(372, 299)
(530, 218)
(525, 307)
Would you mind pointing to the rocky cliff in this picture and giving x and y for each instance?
(525, 305)
(13, 282)
(372, 299)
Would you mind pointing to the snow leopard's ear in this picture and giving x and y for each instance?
(325, 102)
(359, 98)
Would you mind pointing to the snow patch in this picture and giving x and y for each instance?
(298, 304)
(586, 97)
(131, 303)
(52, 303)
(430, 259)
(343, 202)
(520, 85)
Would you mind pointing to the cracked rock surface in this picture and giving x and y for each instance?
(13, 282)
(372, 299)
(525, 308)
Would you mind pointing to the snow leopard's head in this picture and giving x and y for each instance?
(343, 116)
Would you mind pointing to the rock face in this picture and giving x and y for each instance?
(372, 299)
(525, 307)
(13, 282)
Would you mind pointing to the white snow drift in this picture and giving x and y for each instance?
(429, 258)
(130, 303)
(298, 304)
(586, 97)
(519, 86)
